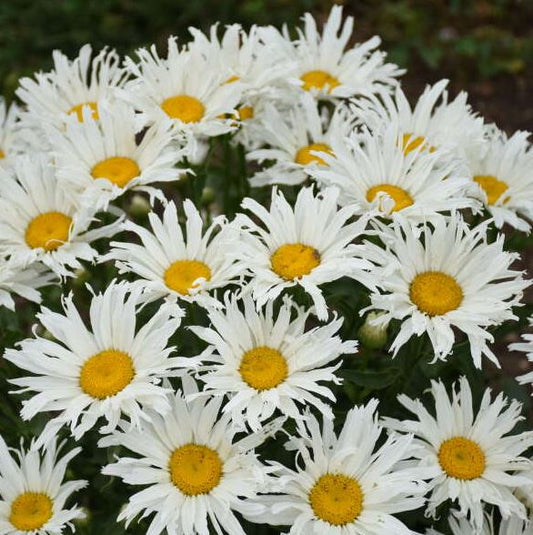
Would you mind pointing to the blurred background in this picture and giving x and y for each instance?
(483, 46)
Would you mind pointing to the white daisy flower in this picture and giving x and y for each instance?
(23, 281)
(307, 245)
(345, 485)
(508, 526)
(504, 178)
(257, 64)
(194, 471)
(450, 126)
(41, 221)
(527, 347)
(373, 172)
(71, 87)
(106, 370)
(180, 265)
(9, 142)
(32, 492)
(325, 67)
(265, 362)
(474, 460)
(451, 278)
(188, 87)
(102, 158)
(293, 138)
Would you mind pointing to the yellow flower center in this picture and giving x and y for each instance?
(336, 499)
(181, 275)
(412, 142)
(304, 156)
(435, 293)
(462, 458)
(319, 80)
(401, 198)
(293, 260)
(263, 368)
(493, 187)
(245, 112)
(2, 154)
(183, 107)
(118, 170)
(78, 110)
(31, 511)
(106, 374)
(49, 231)
(195, 469)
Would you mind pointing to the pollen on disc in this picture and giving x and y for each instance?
(195, 469)
(48, 231)
(294, 260)
(263, 368)
(336, 499)
(184, 108)
(31, 511)
(462, 458)
(435, 293)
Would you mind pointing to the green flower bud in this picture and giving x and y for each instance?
(371, 335)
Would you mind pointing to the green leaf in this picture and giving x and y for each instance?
(370, 379)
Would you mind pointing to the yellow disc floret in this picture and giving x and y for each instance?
(493, 187)
(232, 79)
(401, 198)
(319, 80)
(2, 154)
(116, 169)
(462, 458)
(49, 231)
(106, 374)
(263, 368)
(435, 293)
(412, 142)
(336, 499)
(195, 469)
(181, 275)
(30, 511)
(78, 110)
(183, 107)
(304, 156)
(245, 112)
(294, 260)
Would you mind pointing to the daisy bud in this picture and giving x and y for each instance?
(139, 206)
(371, 334)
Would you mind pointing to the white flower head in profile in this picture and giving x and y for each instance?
(434, 122)
(503, 178)
(374, 172)
(186, 87)
(71, 87)
(326, 67)
(294, 138)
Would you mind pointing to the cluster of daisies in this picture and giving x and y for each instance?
(405, 203)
